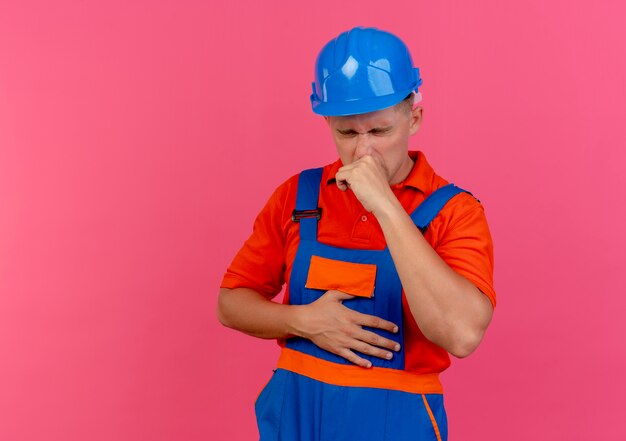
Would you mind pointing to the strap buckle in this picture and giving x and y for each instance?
(296, 215)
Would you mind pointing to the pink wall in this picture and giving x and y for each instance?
(139, 139)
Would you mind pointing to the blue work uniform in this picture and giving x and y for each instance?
(302, 405)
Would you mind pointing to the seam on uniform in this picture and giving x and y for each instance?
(464, 212)
(282, 404)
(386, 431)
(432, 418)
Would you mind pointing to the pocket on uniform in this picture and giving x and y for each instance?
(268, 406)
(357, 279)
(433, 404)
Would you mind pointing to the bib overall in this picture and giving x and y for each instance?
(315, 395)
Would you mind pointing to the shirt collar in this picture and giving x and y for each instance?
(420, 177)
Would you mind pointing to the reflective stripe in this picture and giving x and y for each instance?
(352, 375)
(432, 418)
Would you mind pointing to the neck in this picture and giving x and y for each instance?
(402, 172)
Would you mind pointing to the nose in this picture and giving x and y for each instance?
(363, 145)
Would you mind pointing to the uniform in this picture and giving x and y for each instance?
(316, 395)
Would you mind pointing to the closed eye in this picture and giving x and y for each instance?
(380, 131)
(375, 131)
(347, 132)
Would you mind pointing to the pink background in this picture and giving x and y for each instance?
(138, 140)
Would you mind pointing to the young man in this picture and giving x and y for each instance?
(388, 267)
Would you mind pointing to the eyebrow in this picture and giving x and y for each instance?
(375, 129)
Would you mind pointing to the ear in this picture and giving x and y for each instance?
(416, 120)
(327, 120)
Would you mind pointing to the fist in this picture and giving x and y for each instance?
(367, 179)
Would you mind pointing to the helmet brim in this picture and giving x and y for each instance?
(357, 107)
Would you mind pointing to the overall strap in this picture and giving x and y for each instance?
(427, 210)
(307, 212)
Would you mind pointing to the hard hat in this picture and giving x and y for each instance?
(362, 70)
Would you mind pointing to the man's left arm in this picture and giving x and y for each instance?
(449, 309)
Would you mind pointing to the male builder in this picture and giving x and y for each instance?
(388, 267)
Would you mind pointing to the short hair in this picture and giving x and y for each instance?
(407, 102)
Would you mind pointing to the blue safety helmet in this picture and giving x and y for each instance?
(362, 70)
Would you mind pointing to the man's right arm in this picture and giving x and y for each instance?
(326, 322)
(257, 274)
(250, 312)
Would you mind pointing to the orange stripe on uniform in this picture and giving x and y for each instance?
(432, 417)
(352, 375)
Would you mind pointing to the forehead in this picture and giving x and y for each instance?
(380, 118)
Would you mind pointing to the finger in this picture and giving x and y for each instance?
(365, 162)
(347, 167)
(372, 351)
(379, 341)
(376, 161)
(371, 321)
(353, 358)
(341, 178)
(339, 296)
